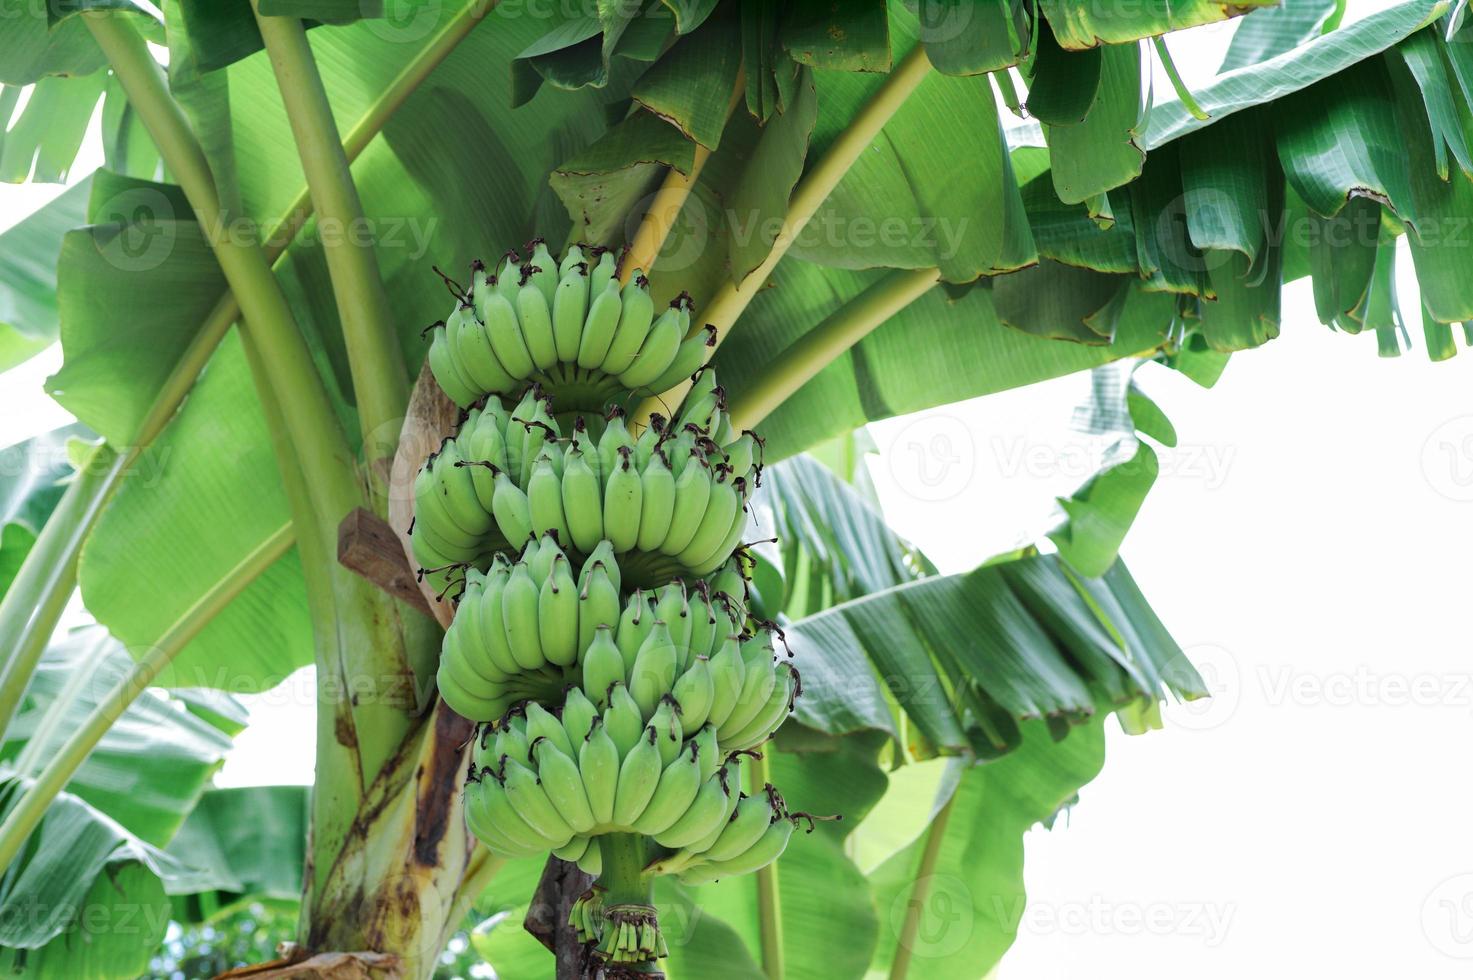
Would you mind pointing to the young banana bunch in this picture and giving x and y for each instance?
(567, 325)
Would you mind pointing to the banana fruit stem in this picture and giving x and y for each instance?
(733, 298)
(380, 382)
(825, 343)
(623, 879)
(28, 811)
(659, 220)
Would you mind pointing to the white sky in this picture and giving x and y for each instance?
(1307, 544)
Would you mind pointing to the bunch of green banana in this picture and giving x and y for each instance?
(631, 934)
(567, 325)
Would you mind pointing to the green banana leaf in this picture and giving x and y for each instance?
(84, 899)
(33, 474)
(1269, 31)
(28, 250)
(975, 894)
(968, 658)
(150, 768)
(241, 846)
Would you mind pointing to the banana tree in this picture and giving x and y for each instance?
(864, 210)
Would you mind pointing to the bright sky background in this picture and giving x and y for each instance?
(1307, 544)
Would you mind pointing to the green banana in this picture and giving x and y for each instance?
(769, 848)
(506, 282)
(579, 714)
(653, 673)
(634, 626)
(507, 342)
(622, 503)
(569, 307)
(539, 428)
(532, 804)
(545, 500)
(544, 272)
(463, 702)
(563, 785)
(571, 257)
(484, 445)
(598, 605)
(741, 455)
(692, 494)
(753, 816)
(511, 742)
(634, 324)
(657, 503)
(598, 765)
(493, 642)
(535, 316)
(622, 720)
(639, 775)
(649, 439)
(680, 781)
(694, 690)
(574, 849)
(656, 354)
(460, 390)
(727, 673)
(582, 501)
(580, 441)
(702, 624)
(721, 510)
(666, 723)
(615, 440)
(703, 398)
(491, 814)
(458, 492)
(730, 580)
(471, 350)
(592, 861)
(540, 555)
(557, 615)
(758, 680)
(542, 723)
(733, 535)
(430, 511)
(693, 352)
(519, 602)
(603, 555)
(771, 714)
(603, 272)
(708, 751)
(604, 307)
(673, 610)
(707, 811)
(510, 507)
(514, 431)
(602, 665)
